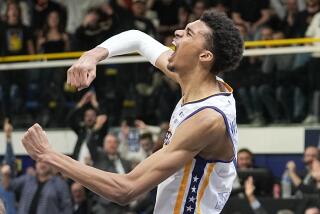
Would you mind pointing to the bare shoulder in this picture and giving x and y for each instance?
(162, 63)
(201, 127)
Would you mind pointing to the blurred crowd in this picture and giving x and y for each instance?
(269, 89)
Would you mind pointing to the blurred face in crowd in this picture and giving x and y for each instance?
(313, 6)
(146, 144)
(310, 154)
(13, 13)
(42, 2)
(198, 9)
(139, 8)
(43, 169)
(53, 19)
(266, 33)
(244, 160)
(90, 118)
(292, 5)
(78, 193)
(315, 170)
(110, 145)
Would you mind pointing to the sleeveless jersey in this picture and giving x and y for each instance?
(201, 186)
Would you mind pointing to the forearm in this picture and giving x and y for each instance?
(114, 187)
(264, 18)
(9, 155)
(296, 180)
(134, 41)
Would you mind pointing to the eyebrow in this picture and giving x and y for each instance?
(190, 30)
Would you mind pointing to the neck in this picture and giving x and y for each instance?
(43, 178)
(198, 86)
(13, 21)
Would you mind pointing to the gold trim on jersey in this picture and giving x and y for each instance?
(204, 185)
(182, 188)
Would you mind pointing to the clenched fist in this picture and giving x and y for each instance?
(35, 141)
(83, 72)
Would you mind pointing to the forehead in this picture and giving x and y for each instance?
(198, 27)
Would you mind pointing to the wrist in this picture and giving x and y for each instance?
(47, 156)
(97, 54)
(251, 198)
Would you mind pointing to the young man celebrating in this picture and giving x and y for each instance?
(195, 168)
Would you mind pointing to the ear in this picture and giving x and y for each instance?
(206, 56)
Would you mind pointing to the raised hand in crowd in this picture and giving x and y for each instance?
(100, 121)
(296, 180)
(140, 124)
(7, 128)
(249, 189)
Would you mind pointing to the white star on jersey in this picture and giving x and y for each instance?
(192, 199)
(189, 209)
(195, 179)
(193, 189)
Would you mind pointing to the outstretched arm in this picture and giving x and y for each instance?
(149, 173)
(83, 72)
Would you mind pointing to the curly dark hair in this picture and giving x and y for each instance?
(225, 41)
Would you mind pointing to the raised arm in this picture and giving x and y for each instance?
(152, 171)
(83, 72)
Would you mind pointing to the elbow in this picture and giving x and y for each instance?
(126, 194)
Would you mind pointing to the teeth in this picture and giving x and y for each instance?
(174, 45)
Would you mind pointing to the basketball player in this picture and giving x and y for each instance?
(195, 168)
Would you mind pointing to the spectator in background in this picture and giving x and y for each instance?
(146, 149)
(6, 194)
(313, 88)
(245, 159)
(266, 92)
(246, 169)
(95, 28)
(303, 18)
(167, 11)
(245, 81)
(140, 22)
(287, 93)
(85, 126)
(282, 7)
(42, 193)
(79, 199)
(76, 13)
(311, 179)
(252, 14)
(40, 12)
(53, 38)
(198, 8)
(15, 39)
(108, 159)
(254, 203)
(25, 10)
(183, 16)
(289, 18)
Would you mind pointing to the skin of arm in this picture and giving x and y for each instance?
(83, 72)
(265, 16)
(156, 168)
(296, 180)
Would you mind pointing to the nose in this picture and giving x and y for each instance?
(178, 33)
